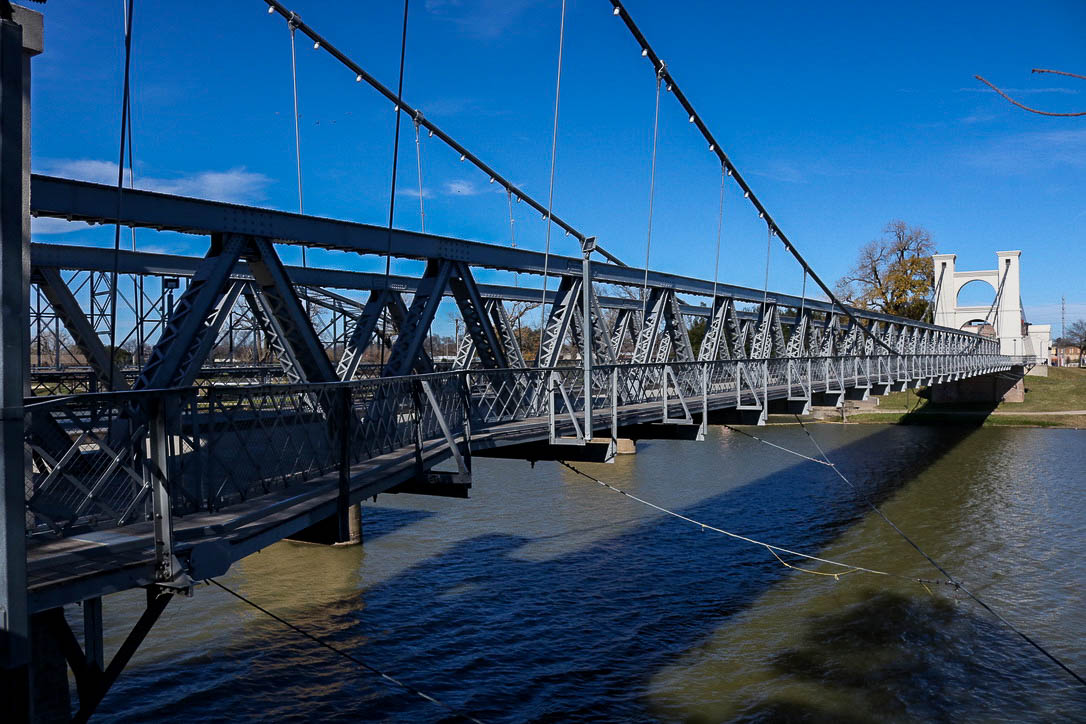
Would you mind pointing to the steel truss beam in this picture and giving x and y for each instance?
(71, 315)
(96, 203)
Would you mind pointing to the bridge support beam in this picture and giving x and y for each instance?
(21, 37)
(991, 388)
(327, 531)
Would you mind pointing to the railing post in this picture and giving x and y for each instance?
(416, 399)
(587, 331)
(343, 500)
(17, 43)
(167, 567)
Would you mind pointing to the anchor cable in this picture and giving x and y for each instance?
(774, 549)
(350, 657)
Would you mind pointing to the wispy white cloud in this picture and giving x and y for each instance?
(235, 185)
(484, 19)
(464, 187)
(1022, 91)
(55, 226)
(413, 193)
(1026, 152)
(978, 118)
(1050, 314)
(782, 171)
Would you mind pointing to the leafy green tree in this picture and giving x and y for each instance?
(893, 273)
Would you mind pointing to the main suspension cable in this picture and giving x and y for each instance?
(340, 652)
(714, 147)
(550, 193)
(274, 6)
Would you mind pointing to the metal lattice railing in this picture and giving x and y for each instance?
(92, 456)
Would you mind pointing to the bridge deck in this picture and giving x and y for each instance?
(74, 568)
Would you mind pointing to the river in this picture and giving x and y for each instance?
(546, 597)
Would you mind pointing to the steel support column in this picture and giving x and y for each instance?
(20, 38)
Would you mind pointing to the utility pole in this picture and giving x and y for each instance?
(1063, 327)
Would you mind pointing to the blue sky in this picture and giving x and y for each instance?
(842, 116)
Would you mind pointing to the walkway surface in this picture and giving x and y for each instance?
(1013, 413)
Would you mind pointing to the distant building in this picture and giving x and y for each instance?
(1063, 354)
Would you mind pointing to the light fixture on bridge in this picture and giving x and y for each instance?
(691, 117)
(614, 12)
(712, 147)
(358, 78)
(491, 179)
(746, 194)
(463, 156)
(272, 9)
(644, 52)
(317, 45)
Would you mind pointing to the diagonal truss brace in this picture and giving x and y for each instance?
(67, 308)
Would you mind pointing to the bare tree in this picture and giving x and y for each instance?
(1076, 335)
(893, 274)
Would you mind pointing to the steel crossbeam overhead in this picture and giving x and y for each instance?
(95, 203)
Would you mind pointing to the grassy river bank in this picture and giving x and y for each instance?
(1058, 400)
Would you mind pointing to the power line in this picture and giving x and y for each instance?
(350, 657)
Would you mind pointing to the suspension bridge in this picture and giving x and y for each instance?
(263, 401)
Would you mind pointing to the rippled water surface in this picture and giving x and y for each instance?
(549, 598)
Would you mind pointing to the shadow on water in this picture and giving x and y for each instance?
(577, 637)
(901, 658)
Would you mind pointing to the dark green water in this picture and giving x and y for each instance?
(548, 598)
